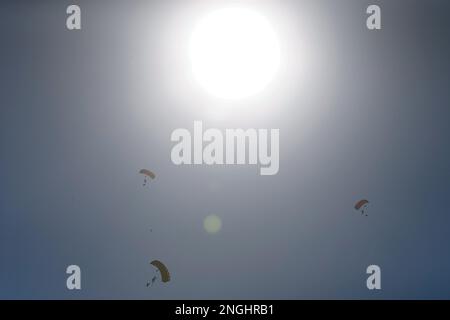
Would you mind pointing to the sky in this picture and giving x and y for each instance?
(362, 115)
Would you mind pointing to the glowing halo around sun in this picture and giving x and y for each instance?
(234, 53)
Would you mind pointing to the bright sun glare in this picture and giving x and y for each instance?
(234, 53)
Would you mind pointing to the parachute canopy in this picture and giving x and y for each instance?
(165, 275)
(361, 203)
(148, 173)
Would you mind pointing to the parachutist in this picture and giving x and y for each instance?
(147, 173)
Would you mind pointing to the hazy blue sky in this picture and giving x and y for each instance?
(362, 114)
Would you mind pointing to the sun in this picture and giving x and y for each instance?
(234, 53)
(212, 224)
